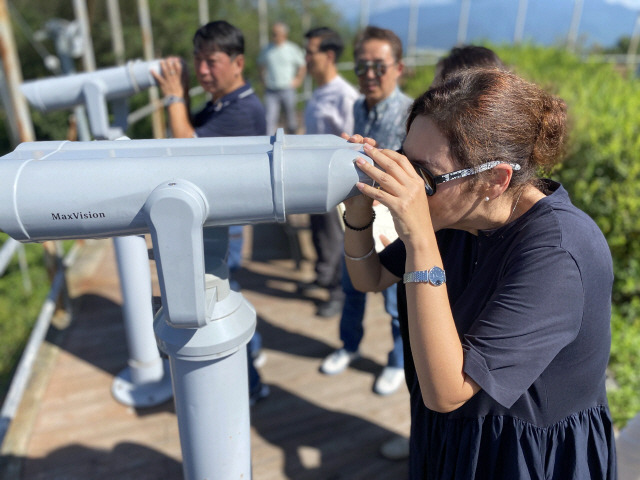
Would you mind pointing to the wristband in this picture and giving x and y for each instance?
(358, 229)
(356, 259)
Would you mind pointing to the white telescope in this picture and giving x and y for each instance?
(172, 188)
(66, 190)
(143, 382)
(61, 190)
(94, 90)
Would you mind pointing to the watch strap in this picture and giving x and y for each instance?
(171, 99)
(435, 276)
(421, 276)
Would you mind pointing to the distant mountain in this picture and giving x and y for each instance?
(547, 22)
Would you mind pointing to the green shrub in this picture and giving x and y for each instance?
(19, 308)
(601, 174)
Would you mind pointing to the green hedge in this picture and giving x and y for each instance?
(601, 174)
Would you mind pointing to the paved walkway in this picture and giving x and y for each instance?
(310, 427)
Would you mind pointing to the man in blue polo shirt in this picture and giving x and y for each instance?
(234, 110)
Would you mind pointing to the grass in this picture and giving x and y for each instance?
(19, 308)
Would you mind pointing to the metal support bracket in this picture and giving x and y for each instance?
(175, 214)
(96, 105)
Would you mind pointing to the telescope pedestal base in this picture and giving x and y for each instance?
(211, 387)
(144, 395)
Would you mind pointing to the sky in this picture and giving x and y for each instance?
(351, 8)
(602, 22)
(630, 4)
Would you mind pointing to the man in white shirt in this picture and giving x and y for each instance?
(381, 114)
(282, 69)
(329, 110)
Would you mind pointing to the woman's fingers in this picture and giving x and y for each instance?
(384, 191)
(370, 141)
(388, 161)
(356, 138)
(396, 178)
(401, 161)
(385, 240)
(398, 166)
(400, 189)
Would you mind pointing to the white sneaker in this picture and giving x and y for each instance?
(338, 361)
(389, 380)
(397, 448)
(260, 359)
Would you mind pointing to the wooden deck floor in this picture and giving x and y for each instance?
(311, 426)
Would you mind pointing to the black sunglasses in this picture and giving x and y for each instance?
(431, 180)
(378, 66)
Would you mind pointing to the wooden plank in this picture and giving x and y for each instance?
(311, 426)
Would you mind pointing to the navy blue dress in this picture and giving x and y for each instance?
(532, 305)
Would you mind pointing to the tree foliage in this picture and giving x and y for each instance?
(173, 24)
(602, 175)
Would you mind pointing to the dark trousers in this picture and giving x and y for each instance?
(328, 239)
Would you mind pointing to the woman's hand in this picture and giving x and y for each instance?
(400, 189)
(358, 139)
(172, 79)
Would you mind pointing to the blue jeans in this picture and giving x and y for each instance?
(234, 260)
(272, 101)
(214, 239)
(253, 347)
(351, 329)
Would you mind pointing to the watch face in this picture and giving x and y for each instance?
(437, 276)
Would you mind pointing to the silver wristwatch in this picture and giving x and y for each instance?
(435, 277)
(171, 99)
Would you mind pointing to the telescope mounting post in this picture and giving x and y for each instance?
(203, 327)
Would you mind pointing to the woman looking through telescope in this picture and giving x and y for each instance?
(506, 296)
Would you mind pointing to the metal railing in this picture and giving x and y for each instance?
(57, 294)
